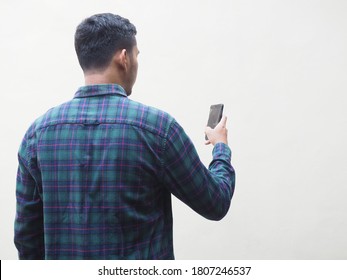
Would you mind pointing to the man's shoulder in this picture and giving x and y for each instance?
(46, 119)
(149, 117)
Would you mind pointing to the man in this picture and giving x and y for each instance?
(96, 174)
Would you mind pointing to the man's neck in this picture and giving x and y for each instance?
(94, 79)
(98, 77)
(104, 77)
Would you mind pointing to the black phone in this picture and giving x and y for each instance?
(216, 113)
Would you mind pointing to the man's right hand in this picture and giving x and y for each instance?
(219, 134)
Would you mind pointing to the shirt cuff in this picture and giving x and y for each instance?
(221, 151)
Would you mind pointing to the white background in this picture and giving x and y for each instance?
(279, 67)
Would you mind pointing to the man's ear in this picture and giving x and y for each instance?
(123, 59)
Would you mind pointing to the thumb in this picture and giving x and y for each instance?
(223, 122)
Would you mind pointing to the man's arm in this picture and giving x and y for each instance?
(206, 191)
(29, 237)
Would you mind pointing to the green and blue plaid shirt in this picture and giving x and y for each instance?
(96, 175)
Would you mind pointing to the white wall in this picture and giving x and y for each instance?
(279, 67)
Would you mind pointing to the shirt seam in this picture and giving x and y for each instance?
(150, 130)
(165, 140)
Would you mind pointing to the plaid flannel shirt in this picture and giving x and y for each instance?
(96, 175)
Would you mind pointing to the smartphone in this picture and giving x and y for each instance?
(216, 113)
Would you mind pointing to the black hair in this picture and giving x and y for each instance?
(98, 37)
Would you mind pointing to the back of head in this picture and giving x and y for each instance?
(99, 37)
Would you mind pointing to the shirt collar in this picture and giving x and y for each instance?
(98, 90)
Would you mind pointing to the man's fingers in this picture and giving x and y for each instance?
(207, 130)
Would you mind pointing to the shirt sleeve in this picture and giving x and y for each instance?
(206, 191)
(28, 230)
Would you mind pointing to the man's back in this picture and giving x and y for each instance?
(103, 167)
(96, 174)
